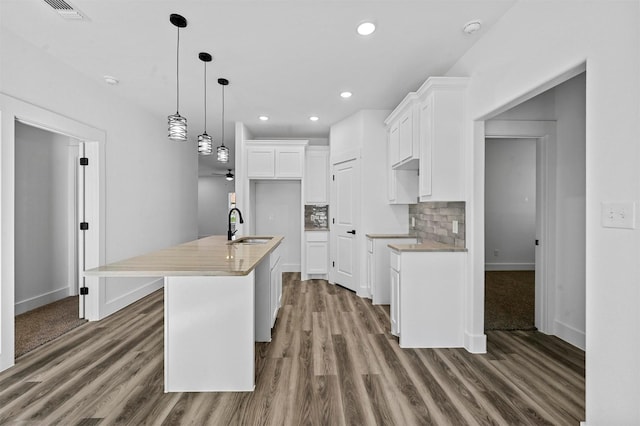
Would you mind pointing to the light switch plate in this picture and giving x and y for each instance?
(620, 214)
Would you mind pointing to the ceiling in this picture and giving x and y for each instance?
(284, 59)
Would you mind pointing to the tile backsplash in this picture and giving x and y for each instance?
(434, 220)
(316, 217)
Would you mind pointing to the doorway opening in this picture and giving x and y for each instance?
(510, 233)
(556, 121)
(47, 201)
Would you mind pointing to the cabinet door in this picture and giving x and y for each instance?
(405, 145)
(316, 177)
(370, 272)
(426, 146)
(317, 257)
(289, 162)
(261, 162)
(394, 142)
(395, 302)
(276, 291)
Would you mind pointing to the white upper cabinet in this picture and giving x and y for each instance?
(442, 126)
(404, 148)
(261, 162)
(289, 162)
(275, 159)
(317, 175)
(425, 141)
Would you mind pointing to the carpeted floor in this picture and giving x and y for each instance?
(509, 300)
(43, 324)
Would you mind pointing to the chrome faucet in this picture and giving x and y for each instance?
(229, 232)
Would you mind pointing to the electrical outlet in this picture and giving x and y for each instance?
(413, 222)
(496, 252)
(619, 215)
(454, 226)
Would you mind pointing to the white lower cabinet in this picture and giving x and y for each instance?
(268, 294)
(317, 252)
(378, 265)
(394, 308)
(427, 298)
(275, 284)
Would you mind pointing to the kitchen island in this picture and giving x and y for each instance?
(217, 303)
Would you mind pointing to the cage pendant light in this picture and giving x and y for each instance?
(222, 151)
(205, 143)
(177, 123)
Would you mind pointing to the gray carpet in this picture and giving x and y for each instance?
(43, 324)
(509, 300)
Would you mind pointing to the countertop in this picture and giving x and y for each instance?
(427, 246)
(210, 256)
(374, 236)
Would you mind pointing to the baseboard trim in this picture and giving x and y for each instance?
(571, 335)
(290, 267)
(124, 300)
(41, 300)
(509, 266)
(475, 343)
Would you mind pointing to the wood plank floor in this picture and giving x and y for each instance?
(332, 361)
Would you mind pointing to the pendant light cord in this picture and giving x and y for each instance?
(178, 73)
(222, 115)
(205, 97)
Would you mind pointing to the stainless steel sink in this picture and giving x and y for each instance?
(251, 240)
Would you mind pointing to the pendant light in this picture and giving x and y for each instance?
(177, 123)
(229, 175)
(223, 151)
(205, 144)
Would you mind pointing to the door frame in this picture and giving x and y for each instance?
(12, 110)
(544, 132)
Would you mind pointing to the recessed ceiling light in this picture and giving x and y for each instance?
(314, 118)
(110, 80)
(472, 27)
(366, 28)
(346, 94)
(263, 118)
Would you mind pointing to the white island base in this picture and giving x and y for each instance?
(220, 298)
(209, 333)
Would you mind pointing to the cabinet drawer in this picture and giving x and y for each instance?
(394, 260)
(316, 236)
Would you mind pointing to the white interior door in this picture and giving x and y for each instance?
(345, 270)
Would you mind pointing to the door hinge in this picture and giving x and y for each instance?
(333, 220)
(84, 161)
(333, 264)
(334, 177)
(84, 291)
(537, 242)
(84, 226)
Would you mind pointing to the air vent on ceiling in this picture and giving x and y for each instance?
(64, 9)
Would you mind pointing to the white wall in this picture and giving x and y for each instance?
(534, 43)
(510, 204)
(43, 266)
(571, 266)
(213, 205)
(365, 133)
(278, 207)
(151, 182)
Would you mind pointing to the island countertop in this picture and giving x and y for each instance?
(210, 256)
